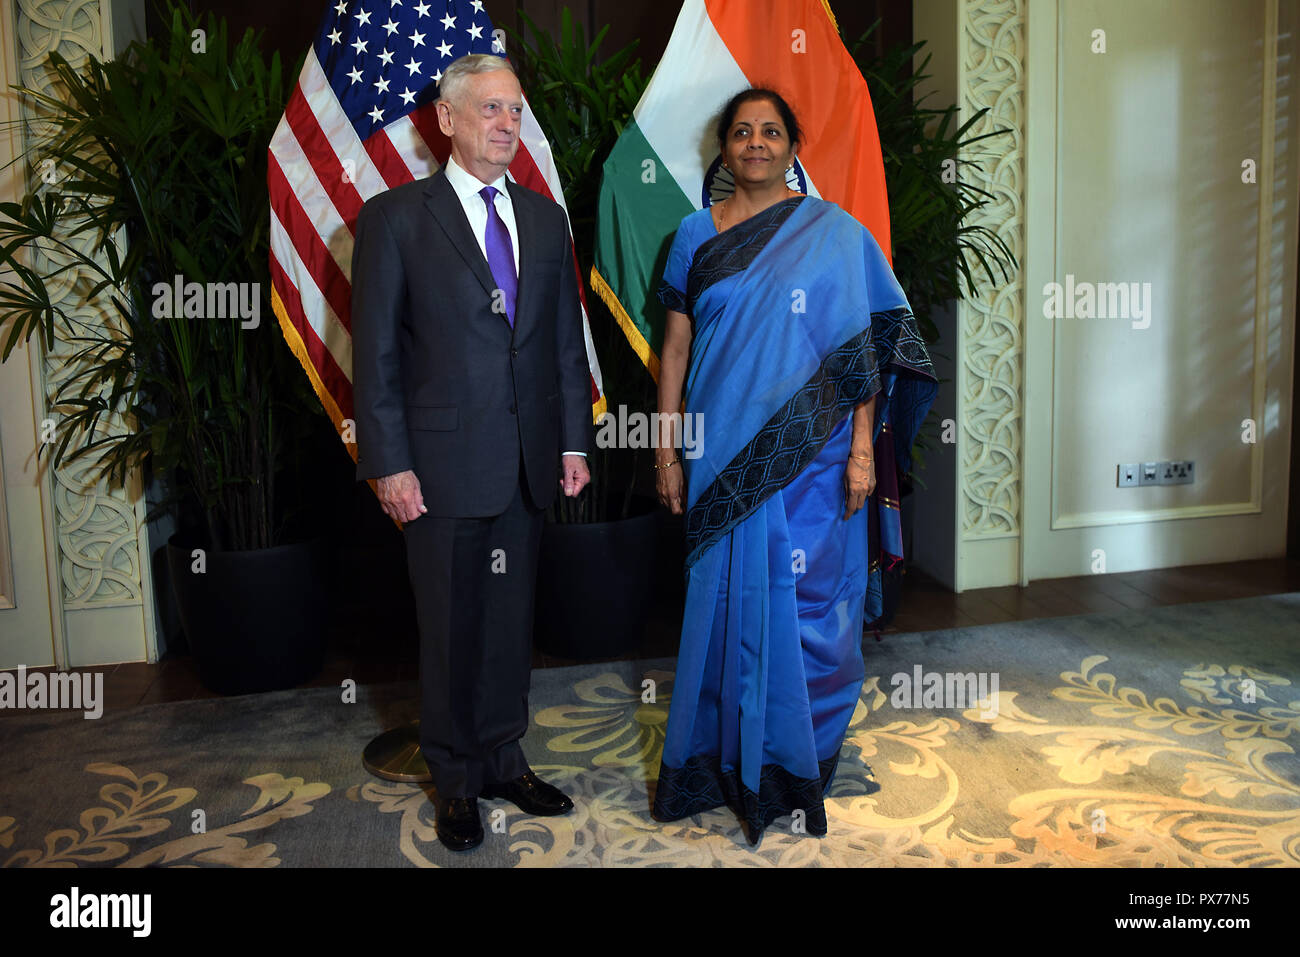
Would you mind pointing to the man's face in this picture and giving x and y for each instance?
(483, 123)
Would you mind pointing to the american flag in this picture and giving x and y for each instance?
(361, 120)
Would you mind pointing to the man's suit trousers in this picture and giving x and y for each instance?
(474, 582)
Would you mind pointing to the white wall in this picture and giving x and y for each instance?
(1135, 176)
(1125, 166)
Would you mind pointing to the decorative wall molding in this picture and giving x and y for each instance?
(991, 69)
(100, 531)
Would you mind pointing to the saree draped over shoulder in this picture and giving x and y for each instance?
(796, 319)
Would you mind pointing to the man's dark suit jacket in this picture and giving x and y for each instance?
(442, 384)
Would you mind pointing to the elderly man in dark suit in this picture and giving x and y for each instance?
(473, 402)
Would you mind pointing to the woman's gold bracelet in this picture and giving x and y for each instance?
(668, 466)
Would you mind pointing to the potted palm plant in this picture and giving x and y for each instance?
(938, 255)
(160, 160)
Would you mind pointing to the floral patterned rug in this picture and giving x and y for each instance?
(1163, 737)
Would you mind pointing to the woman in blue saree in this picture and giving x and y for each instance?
(790, 339)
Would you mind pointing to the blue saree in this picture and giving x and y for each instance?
(796, 319)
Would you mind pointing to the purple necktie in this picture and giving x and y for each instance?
(500, 253)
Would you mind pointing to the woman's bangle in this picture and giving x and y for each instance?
(854, 455)
(667, 466)
(859, 464)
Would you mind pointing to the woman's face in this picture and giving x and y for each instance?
(757, 147)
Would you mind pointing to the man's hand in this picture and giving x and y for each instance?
(400, 498)
(576, 476)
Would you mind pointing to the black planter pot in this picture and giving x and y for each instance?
(595, 582)
(168, 615)
(255, 620)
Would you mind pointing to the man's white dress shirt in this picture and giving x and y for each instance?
(468, 188)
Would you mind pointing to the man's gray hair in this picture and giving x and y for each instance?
(453, 78)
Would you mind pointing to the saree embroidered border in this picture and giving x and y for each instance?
(793, 437)
(787, 443)
(702, 784)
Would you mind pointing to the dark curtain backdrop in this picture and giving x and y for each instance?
(289, 26)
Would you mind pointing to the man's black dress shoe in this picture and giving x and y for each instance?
(459, 827)
(531, 794)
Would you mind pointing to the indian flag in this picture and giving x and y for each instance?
(666, 164)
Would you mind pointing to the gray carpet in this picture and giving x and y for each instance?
(1113, 740)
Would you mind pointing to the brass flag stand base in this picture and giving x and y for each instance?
(395, 755)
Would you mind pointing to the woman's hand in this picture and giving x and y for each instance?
(859, 483)
(669, 482)
(860, 472)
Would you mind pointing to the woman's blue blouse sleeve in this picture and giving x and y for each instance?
(672, 291)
